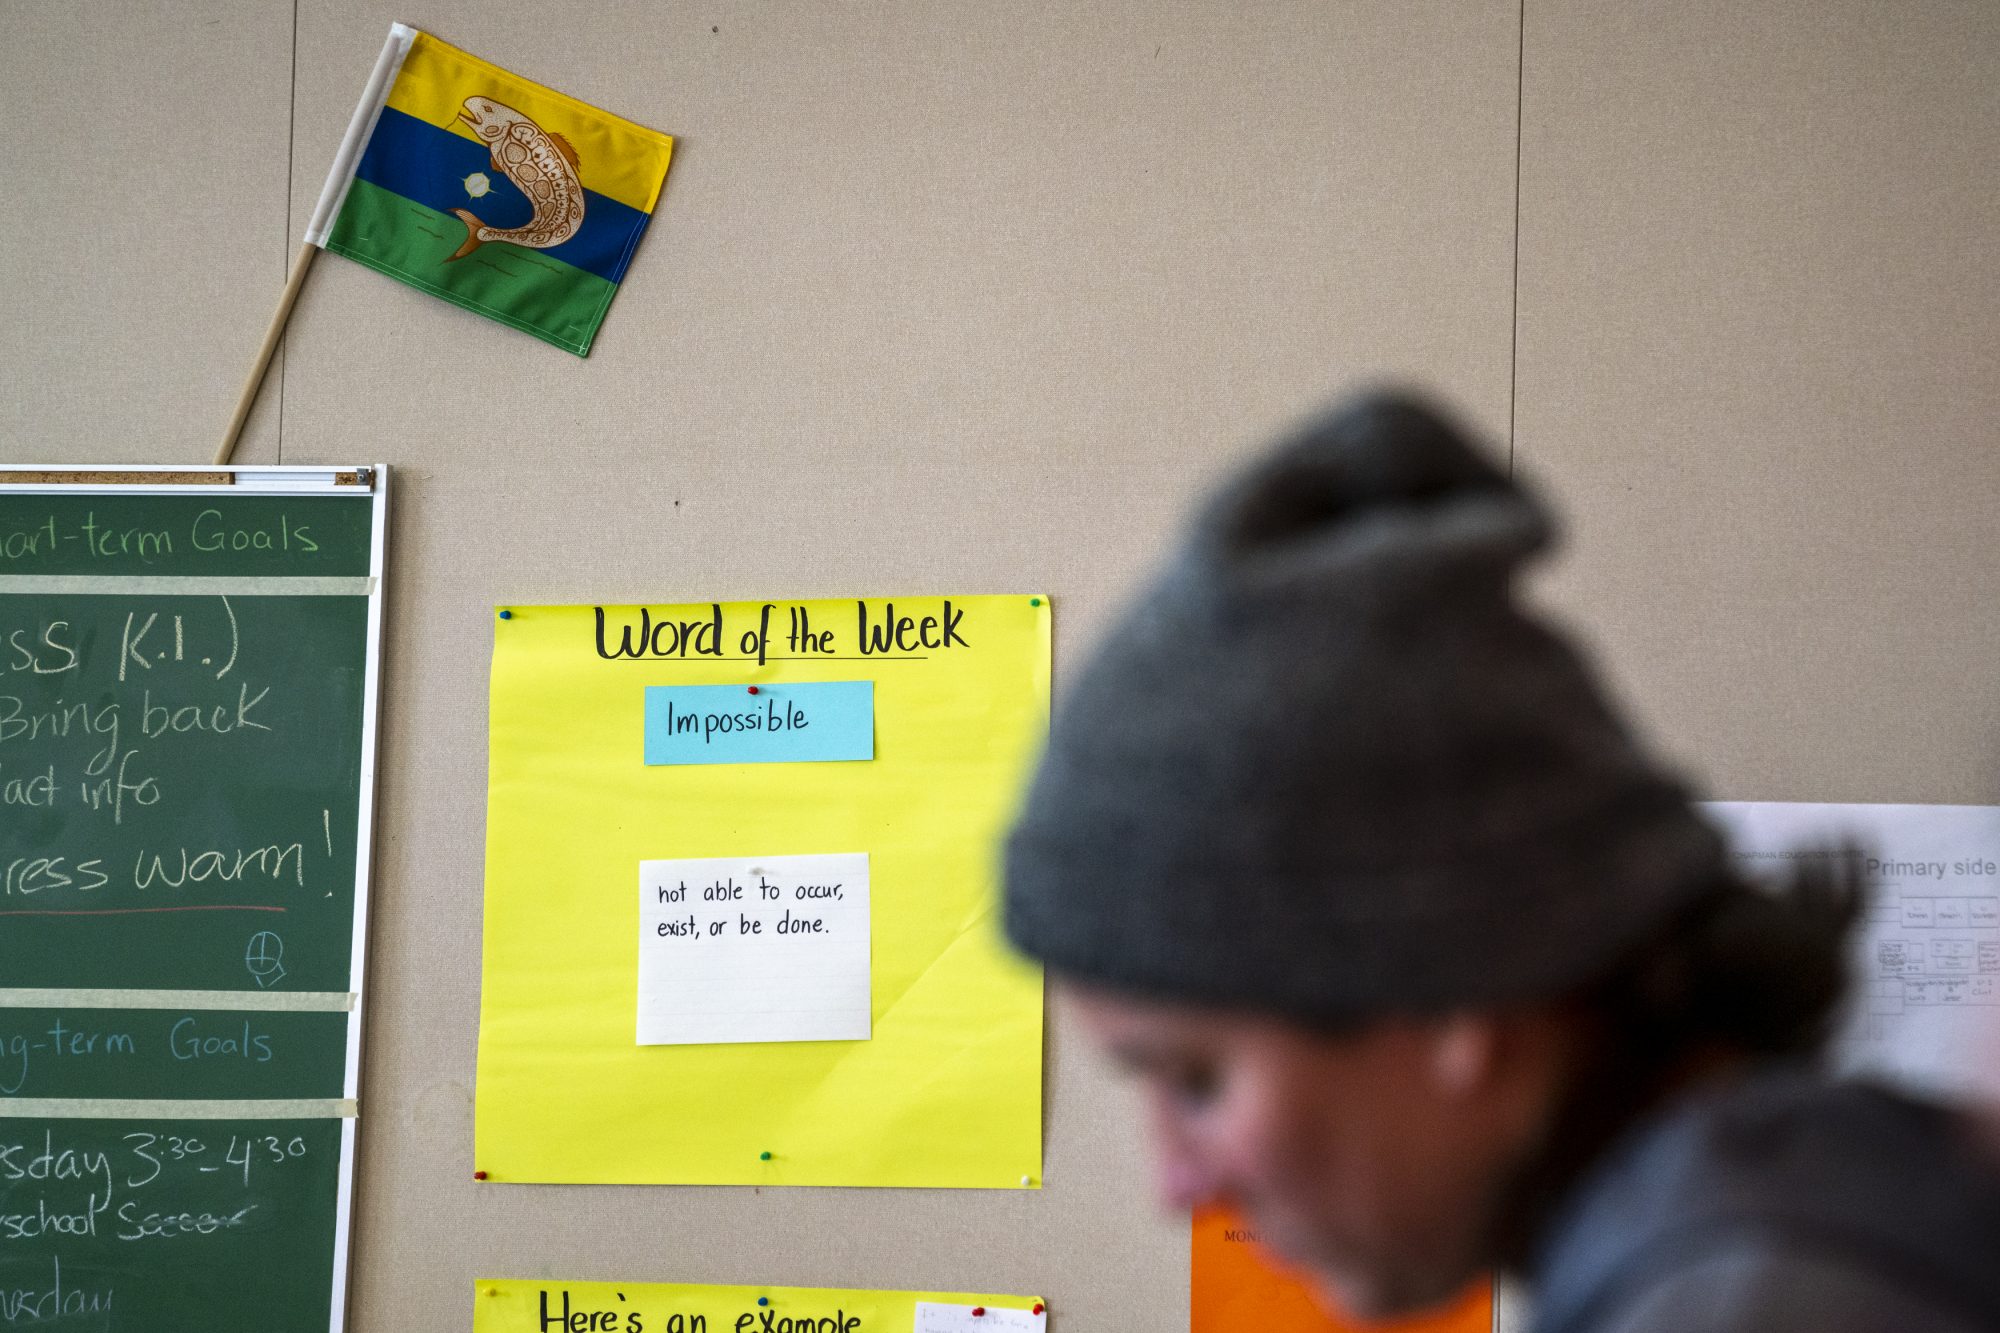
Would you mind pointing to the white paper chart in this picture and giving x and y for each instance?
(1926, 1006)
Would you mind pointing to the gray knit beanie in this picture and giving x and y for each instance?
(1328, 767)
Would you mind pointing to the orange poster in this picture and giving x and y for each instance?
(1237, 1286)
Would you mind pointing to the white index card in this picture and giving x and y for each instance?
(745, 948)
(936, 1317)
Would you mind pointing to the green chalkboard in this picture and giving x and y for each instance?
(185, 696)
(192, 824)
(228, 1053)
(168, 1226)
(44, 532)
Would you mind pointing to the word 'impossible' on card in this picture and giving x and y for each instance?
(740, 948)
(793, 723)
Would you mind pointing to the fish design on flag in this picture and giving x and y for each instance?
(542, 166)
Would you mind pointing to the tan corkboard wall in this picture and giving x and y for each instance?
(959, 297)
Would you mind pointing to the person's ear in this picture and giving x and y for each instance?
(1463, 1052)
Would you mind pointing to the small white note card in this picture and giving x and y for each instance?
(748, 948)
(935, 1318)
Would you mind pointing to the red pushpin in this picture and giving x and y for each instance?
(978, 1311)
(479, 1175)
(753, 689)
(1038, 1307)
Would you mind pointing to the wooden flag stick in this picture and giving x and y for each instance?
(264, 353)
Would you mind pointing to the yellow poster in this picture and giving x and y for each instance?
(791, 812)
(536, 1306)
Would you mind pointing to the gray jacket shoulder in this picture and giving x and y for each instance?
(1777, 1291)
(1780, 1203)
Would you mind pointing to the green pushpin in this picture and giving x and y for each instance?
(763, 1156)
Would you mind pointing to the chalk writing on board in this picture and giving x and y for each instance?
(171, 762)
(265, 958)
(735, 949)
(113, 544)
(183, 701)
(96, 742)
(80, 1052)
(113, 1185)
(112, 713)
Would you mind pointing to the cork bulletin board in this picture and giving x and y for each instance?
(975, 299)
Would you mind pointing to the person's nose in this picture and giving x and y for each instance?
(1183, 1178)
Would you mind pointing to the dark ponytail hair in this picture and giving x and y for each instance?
(1759, 970)
(1746, 972)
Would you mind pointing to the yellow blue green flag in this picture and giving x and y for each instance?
(490, 191)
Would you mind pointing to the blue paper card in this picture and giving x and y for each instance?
(779, 724)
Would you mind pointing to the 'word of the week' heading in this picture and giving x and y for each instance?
(709, 636)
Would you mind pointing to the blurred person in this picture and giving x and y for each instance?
(1427, 967)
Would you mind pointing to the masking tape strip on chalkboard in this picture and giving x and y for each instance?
(171, 585)
(260, 1002)
(168, 1108)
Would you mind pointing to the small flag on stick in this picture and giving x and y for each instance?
(481, 187)
(493, 192)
